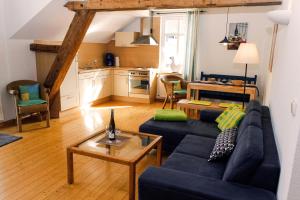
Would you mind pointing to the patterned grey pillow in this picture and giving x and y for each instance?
(224, 145)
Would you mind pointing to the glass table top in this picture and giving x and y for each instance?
(129, 146)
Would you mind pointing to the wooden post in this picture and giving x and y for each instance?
(67, 51)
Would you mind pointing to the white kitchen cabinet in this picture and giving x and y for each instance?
(121, 83)
(103, 85)
(86, 88)
(95, 85)
(69, 93)
(124, 39)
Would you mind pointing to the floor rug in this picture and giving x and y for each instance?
(7, 139)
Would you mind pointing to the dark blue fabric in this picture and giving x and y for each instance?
(252, 118)
(196, 146)
(246, 157)
(168, 184)
(253, 105)
(227, 78)
(195, 165)
(254, 163)
(209, 115)
(174, 132)
(224, 96)
(267, 174)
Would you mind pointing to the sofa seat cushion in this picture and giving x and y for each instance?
(195, 165)
(196, 146)
(191, 127)
(174, 132)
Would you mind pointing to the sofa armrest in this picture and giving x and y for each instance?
(209, 115)
(162, 183)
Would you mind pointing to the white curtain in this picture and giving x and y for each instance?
(192, 47)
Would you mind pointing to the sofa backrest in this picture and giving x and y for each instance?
(252, 118)
(266, 173)
(246, 157)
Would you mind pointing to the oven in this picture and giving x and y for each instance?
(139, 82)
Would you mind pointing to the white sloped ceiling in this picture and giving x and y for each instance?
(52, 23)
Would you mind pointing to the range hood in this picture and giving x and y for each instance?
(147, 40)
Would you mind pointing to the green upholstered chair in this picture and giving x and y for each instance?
(171, 93)
(24, 109)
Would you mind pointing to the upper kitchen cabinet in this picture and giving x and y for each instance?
(124, 39)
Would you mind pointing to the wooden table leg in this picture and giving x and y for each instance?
(70, 166)
(132, 174)
(159, 153)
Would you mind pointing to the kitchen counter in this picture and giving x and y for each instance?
(80, 71)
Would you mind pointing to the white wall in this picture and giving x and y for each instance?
(20, 12)
(16, 62)
(285, 89)
(215, 58)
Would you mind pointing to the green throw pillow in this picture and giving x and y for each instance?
(231, 107)
(231, 119)
(170, 115)
(29, 92)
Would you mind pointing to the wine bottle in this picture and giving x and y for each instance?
(112, 126)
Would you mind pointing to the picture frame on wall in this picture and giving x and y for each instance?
(238, 33)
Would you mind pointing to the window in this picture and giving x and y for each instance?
(173, 43)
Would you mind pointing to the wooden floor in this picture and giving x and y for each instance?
(35, 167)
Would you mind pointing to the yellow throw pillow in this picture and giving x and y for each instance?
(177, 85)
(25, 96)
(231, 120)
(231, 107)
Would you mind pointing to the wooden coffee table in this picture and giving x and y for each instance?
(130, 153)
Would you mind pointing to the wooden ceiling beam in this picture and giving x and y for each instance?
(44, 48)
(119, 5)
(67, 51)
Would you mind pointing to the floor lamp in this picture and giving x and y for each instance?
(246, 54)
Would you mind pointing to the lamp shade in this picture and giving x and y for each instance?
(247, 54)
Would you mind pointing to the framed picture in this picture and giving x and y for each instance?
(237, 35)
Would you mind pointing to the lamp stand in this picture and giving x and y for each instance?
(245, 82)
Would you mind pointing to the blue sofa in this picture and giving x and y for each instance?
(251, 172)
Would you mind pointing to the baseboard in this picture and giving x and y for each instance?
(8, 123)
(100, 101)
(131, 99)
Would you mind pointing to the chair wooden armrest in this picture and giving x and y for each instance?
(184, 84)
(45, 93)
(13, 92)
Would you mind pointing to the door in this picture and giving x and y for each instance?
(121, 85)
(69, 91)
(86, 88)
(103, 85)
